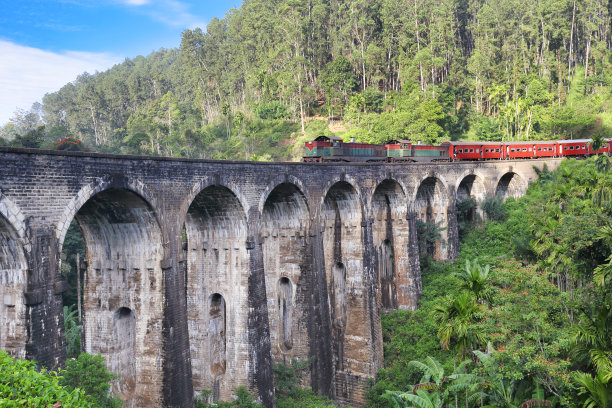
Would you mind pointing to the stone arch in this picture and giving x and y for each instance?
(284, 179)
(217, 264)
(285, 222)
(471, 185)
(344, 180)
(390, 232)
(431, 204)
(88, 191)
(213, 181)
(343, 254)
(124, 249)
(387, 178)
(510, 184)
(13, 284)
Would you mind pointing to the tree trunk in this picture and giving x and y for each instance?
(569, 60)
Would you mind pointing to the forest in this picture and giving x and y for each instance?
(257, 83)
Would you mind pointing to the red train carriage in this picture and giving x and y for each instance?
(572, 148)
(519, 150)
(544, 149)
(475, 150)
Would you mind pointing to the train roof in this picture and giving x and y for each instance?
(574, 141)
(527, 142)
(396, 141)
(324, 138)
(468, 143)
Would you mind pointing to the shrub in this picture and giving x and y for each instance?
(88, 373)
(21, 384)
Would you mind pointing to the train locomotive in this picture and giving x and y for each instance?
(334, 149)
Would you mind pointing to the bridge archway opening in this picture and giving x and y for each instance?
(470, 193)
(123, 280)
(510, 185)
(390, 231)
(13, 283)
(341, 217)
(284, 228)
(431, 206)
(217, 289)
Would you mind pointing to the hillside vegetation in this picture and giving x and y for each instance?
(523, 318)
(256, 83)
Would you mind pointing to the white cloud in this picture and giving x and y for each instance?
(173, 13)
(27, 74)
(135, 2)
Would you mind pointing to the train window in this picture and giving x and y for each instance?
(496, 150)
(539, 149)
(512, 150)
(582, 147)
(524, 149)
(477, 151)
(471, 150)
(459, 150)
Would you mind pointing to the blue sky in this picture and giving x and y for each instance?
(47, 43)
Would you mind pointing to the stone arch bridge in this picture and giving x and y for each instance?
(200, 274)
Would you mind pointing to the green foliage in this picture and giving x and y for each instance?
(493, 208)
(271, 110)
(21, 384)
(72, 329)
(429, 233)
(476, 279)
(89, 374)
(289, 393)
(73, 244)
(455, 318)
(243, 399)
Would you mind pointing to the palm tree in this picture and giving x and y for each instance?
(602, 275)
(597, 390)
(421, 399)
(597, 142)
(475, 278)
(455, 317)
(593, 338)
(434, 387)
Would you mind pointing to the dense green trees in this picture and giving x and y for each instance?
(415, 69)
